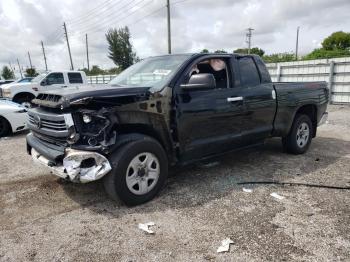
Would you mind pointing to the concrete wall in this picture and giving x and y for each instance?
(335, 71)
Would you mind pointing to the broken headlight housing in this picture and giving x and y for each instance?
(96, 128)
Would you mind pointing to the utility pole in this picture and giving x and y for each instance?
(249, 38)
(20, 70)
(87, 52)
(297, 44)
(42, 46)
(169, 27)
(30, 61)
(70, 55)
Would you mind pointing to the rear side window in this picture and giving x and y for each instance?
(75, 78)
(265, 75)
(248, 71)
(55, 78)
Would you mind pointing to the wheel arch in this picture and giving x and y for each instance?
(8, 122)
(311, 111)
(23, 94)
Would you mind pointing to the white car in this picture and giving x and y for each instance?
(13, 117)
(24, 93)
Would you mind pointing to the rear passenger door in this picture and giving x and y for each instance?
(75, 78)
(258, 98)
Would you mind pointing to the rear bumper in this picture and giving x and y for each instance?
(74, 165)
(323, 119)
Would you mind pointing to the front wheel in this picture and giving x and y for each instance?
(139, 171)
(300, 135)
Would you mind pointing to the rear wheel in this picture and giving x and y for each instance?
(4, 127)
(139, 171)
(300, 135)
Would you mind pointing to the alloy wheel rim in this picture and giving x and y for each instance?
(142, 173)
(303, 134)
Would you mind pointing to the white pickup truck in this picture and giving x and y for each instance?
(24, 93)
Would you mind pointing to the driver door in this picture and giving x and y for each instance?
(208, 122)
(52, 81)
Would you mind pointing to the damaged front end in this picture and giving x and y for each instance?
(77, 166)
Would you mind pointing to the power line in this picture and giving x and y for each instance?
(88, 13)
(113, 18)
(100, 13)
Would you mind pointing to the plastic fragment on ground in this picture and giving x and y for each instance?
(277, 196)
(145, 227)
(225, 245)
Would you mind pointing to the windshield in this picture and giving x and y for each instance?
(152, 72)
(40, 77)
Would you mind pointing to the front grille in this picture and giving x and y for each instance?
(49, 124)
(49, 97)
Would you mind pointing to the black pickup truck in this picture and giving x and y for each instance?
(165, 111)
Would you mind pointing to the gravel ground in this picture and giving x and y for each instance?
(43, 218)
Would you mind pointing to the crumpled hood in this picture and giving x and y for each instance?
(83, 94)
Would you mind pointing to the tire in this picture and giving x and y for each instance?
(126, 171)
(5, 127)
(300, 135)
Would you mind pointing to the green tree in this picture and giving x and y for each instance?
(96, 70)
(255, 51)
(222, 51)
(204, 51)
(337, 40)
(7, 73)
(31, 72)
(120, 49)
(279, 57)
(320, 53)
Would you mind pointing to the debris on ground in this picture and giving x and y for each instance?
(211, 164)
(247, 190)
(145, 227)
(225, 245)
(277, 196)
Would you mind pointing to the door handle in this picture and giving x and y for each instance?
(234, 99)
(64, 86)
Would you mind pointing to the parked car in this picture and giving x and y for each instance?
(25, 80)
(165, 111)
(24, 92)
(13, 117)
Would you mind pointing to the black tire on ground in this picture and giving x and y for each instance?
(298, 140)
(115, 182)
(24, 100)
(5, 127)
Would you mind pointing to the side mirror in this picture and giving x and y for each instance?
(44, 82)
(200, 81)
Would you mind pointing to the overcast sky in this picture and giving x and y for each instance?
(196, 24)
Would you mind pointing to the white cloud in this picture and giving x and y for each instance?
(196, 24)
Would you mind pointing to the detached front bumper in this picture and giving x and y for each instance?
(76, 166)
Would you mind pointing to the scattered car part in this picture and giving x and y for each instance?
(145, 227)
(225, 245)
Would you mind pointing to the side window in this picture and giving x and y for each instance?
(75, 78)
(218, 67)
(55, 78)
(265, 75)
(248, 72)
